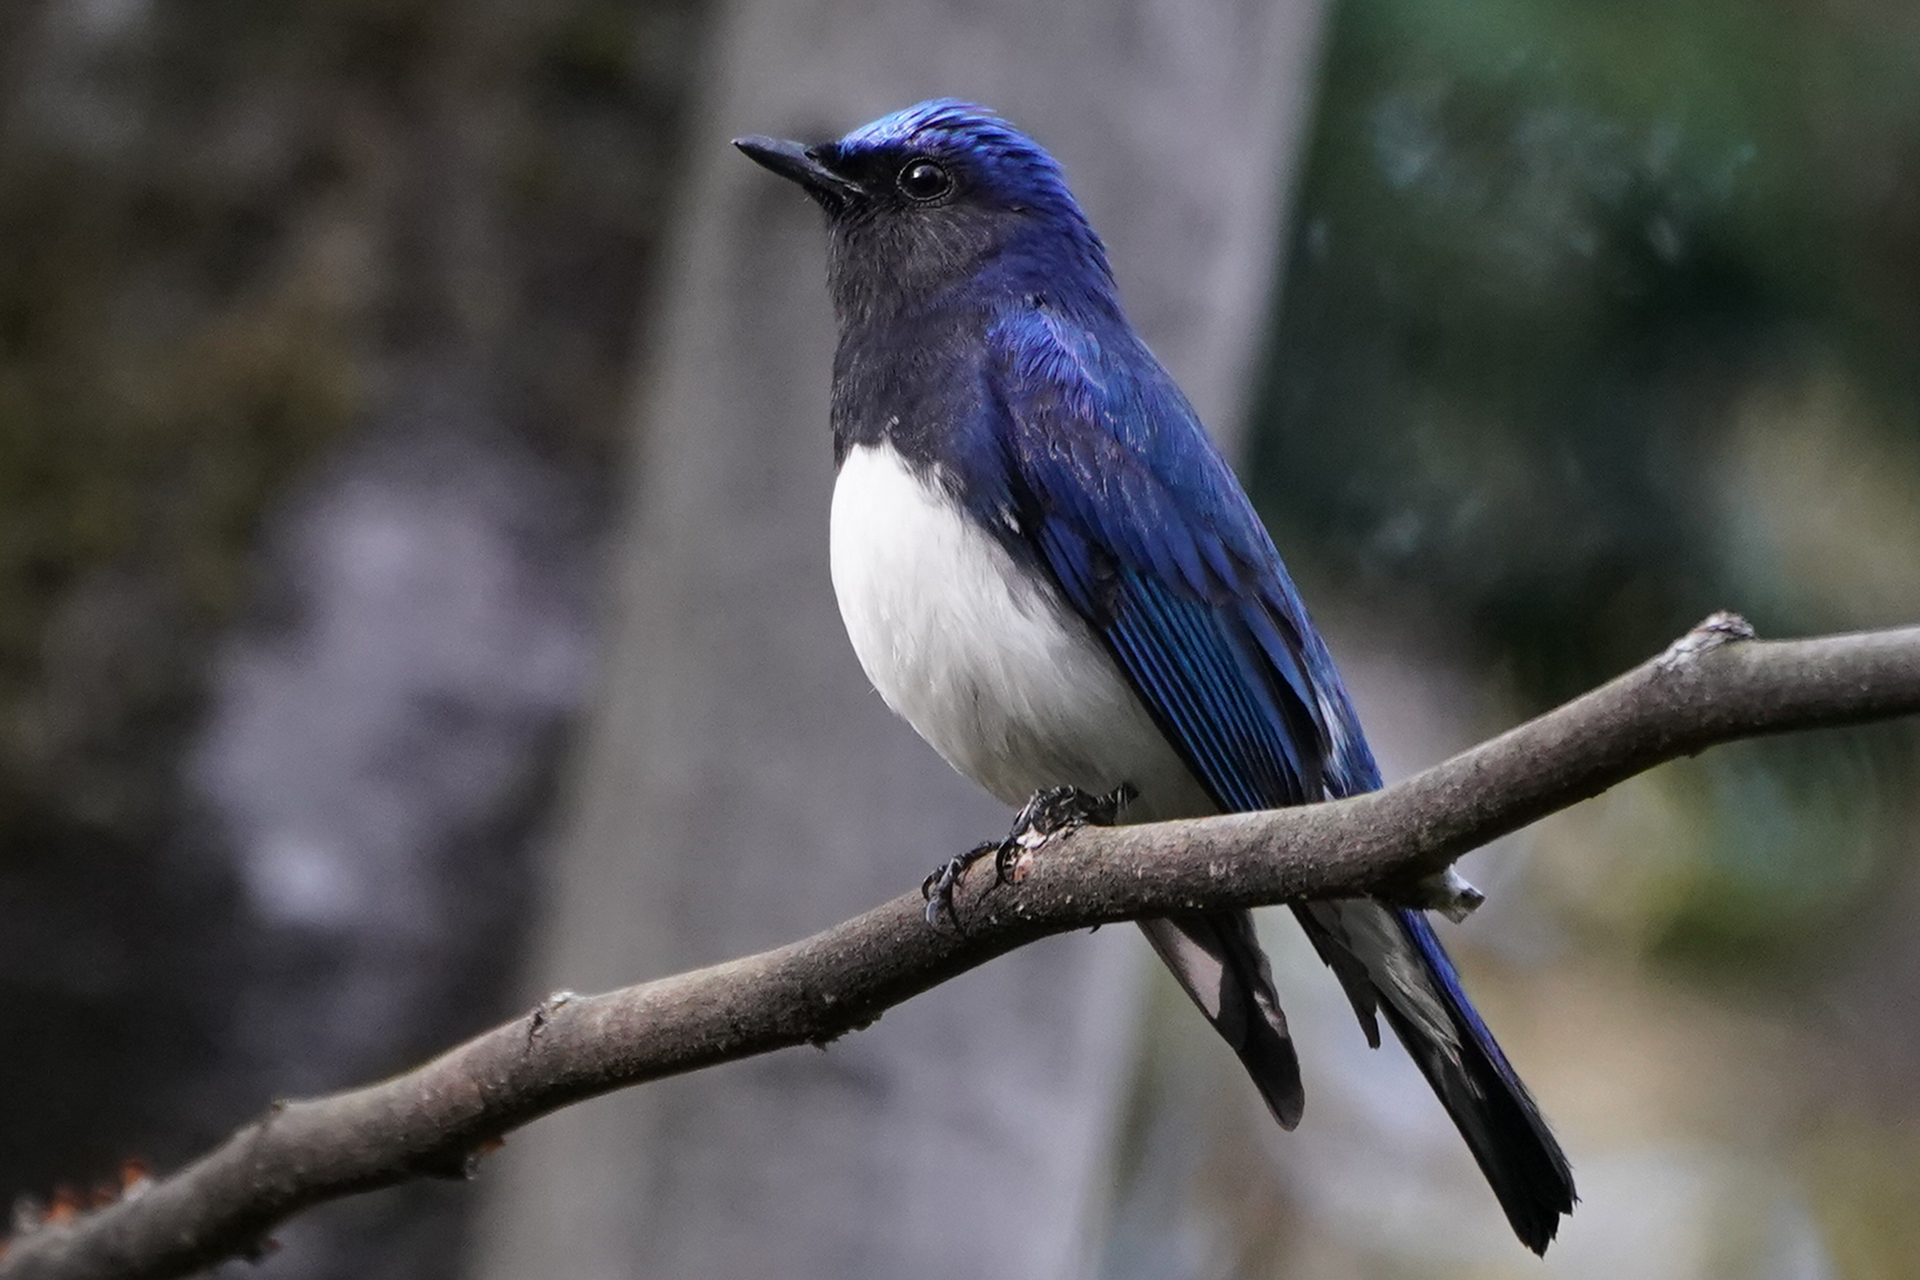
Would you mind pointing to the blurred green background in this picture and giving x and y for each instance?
(1601, 317)
(1596, 317)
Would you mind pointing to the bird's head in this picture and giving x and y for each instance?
(941, 196)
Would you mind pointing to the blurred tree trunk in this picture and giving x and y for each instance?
(736, 741)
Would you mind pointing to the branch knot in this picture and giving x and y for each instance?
(1716, 629)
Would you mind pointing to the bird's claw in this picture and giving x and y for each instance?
(1060, 809)
(938, 887)
(1045, 815)
(1053, 812)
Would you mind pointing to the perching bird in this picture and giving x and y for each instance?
(1048, 570)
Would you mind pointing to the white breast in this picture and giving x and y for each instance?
(993, 670)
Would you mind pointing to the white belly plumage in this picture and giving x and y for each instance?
(993, 670)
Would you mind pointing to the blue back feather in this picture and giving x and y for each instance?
(1067, 440)
(1142, 524)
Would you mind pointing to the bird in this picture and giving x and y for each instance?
(1046, 567)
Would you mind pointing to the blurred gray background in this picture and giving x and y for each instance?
(413, 469)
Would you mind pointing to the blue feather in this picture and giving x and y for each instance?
(983, 342)
(1140, 522)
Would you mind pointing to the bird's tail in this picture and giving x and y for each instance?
(1389, 959)
(1217, 961)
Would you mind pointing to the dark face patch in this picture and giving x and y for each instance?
(924, 225)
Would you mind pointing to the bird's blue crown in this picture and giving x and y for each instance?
(1002, 166)
(967, 131)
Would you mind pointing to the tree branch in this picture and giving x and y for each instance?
(1714, 685)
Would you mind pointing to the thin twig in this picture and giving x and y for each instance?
(1713, 685)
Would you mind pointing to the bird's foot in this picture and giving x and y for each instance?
(938, 887)
(1446, 892)
(1045, 815)
(1053, 812)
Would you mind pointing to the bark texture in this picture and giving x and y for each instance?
(1713, 685)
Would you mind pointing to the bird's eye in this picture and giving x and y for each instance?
(923, 181)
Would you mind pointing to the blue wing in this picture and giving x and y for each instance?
(1114, 486)
(1151, 539)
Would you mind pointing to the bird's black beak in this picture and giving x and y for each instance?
(801, 164)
